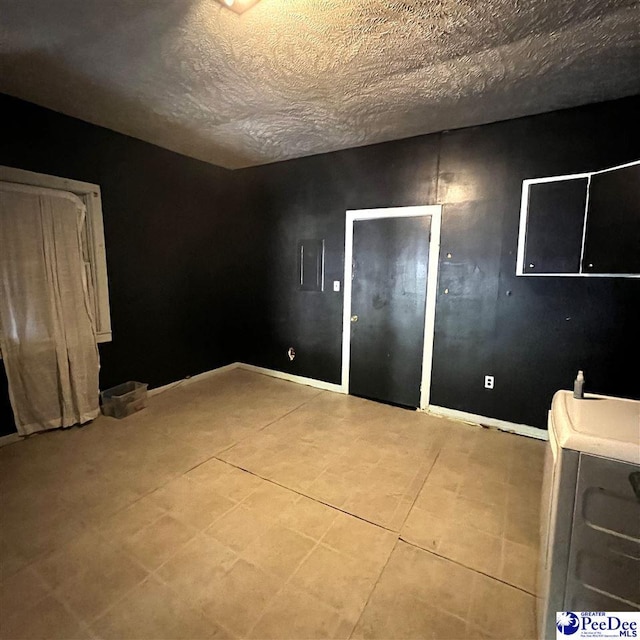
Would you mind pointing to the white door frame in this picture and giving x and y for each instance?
(435, 212)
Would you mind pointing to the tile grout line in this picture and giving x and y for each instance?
(355, 626)
(93, 524)
(286, 583)
(300, 384)
(398, 539)
(319, 543)
(94, 527)
(51, 593)
(460, 564)
(433, 464)
(149, 574)
(154, 573)
(184, 473)
(503, 539)
(304, 495)
(249, 435)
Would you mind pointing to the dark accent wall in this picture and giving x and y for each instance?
(293, 200)
(532, 334)
(170, 234)
(203, 262)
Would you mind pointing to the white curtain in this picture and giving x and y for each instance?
(47, 333)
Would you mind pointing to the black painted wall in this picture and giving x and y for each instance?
(532, 334)
(170, 234)
(307, 198)
(202, 261)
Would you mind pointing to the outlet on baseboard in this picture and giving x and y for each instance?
(488, 382)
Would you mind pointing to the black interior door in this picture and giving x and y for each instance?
(389, 289)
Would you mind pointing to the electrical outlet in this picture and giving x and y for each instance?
(488, 382)
(336, 285)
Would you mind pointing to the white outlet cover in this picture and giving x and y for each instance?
(336, 285)
(488, 382)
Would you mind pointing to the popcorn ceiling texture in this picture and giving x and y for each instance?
(291, 78)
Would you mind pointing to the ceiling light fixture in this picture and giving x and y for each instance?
(238, 5)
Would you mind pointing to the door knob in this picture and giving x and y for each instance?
(354, 318)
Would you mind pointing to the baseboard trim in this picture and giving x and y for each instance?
(471, 418)
(197, 378)
(310, 382)
(503, 425)
(10, 439)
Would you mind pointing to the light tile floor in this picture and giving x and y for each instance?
(244, 506)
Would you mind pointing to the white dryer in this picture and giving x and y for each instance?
(590, 515)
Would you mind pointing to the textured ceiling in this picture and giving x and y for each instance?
(290, 78)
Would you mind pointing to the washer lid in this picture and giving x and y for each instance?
(599, 425)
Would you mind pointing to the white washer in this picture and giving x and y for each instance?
(590, 514)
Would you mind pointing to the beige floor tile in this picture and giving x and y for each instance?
(436, 500)
(270, 499)
(378, 506)
(490, 466)
(294, 614)
(438, 582)
(94, 499)
(447, 475)
(473, 632)
(450, 456)
(472, 548)
(152, 611)
(293, 474)
(467, 545)
(76, 532)
(47, 619)
(527, 452)
(240, 526)
(333, 459)
(178, 459)
(484, 517)
(90, 574)
(129, 521)
(483, 490)
(338, 580)
(195, 570)
(226, 480)
(425, 529)
(10, 560)
(401, 616)
(23, 587)
(348, 407)
(351, 467)
(472, 519)
(193, 503)
(240, 596)
(360, 539)
(278, 550)
(519, 565)
(308, 517)
(489, 603)
(525, 496)
(158, 541)
(331, 488)
(522, 526)
(209, 471)
(39, 533)
(420, 595)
